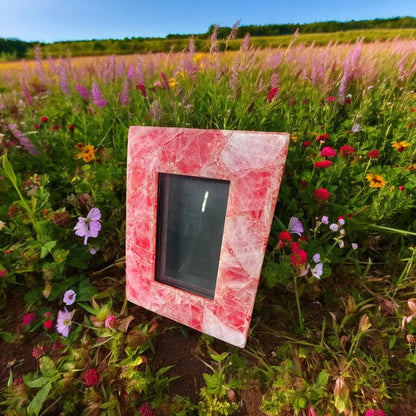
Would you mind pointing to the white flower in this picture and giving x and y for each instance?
(316, 258)
(354, 246)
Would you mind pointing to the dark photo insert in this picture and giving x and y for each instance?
(190, 225)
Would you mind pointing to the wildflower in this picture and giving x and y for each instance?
(142, 89)
(29, 318)
(295, 226)
(23, 140)
(401, 188)
(375, 181)
(322, 194)
(341, 220)
(83, 92)
(2, 272)
(63, 322)
(124, 95)
(347, 101)
(333, 227)
(323, 164)
(316, 258)
(285, 236)
(307, 143)
(44, 119)
(347, 150)
(354, 246)
(165, 83)
(373, 154)
(328, 151)
(71, 127)
(317, 270)
(325, 220)
(91, 377)
(322, 137)
(97, 97)
(69, 297)
(330, 98)
(370, 412)
(39, 351)
(356, 128)
(400, 146)
(145, 410)
(299, 257)
(86, 153)
(48, 324)
(90, 226)
(110, 322)
(172, 82)
(272, 93)
(311, 411)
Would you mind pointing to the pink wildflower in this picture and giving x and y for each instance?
(272, 93)
(323, 164)
(29, 318)
(328, 151)
(322, 194)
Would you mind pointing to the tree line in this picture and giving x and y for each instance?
(11, 49)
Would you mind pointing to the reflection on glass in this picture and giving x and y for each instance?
(190, 219)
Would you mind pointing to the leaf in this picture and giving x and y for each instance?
(123, 324)
(47, 367)
(36, 383)
(219, 357)
(36, 404)
(47, 248)
(322, 379)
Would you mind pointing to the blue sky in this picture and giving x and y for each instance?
(55, 20)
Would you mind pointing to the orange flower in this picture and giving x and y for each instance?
(375, 181)
(86, 153)
(400, 146)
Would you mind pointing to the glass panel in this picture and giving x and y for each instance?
(190, 218)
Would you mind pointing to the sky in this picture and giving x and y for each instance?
(58, 20)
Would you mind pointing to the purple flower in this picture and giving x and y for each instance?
(355, 128)
(63, 322)
(124, 95)
(317, 270)
(97, 97)
(316, 258)
(334, 227)
(90, 226)
(83, 92)
(24, 141)
(69, 297)
(295, 226)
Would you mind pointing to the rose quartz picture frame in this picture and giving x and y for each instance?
(253, 163)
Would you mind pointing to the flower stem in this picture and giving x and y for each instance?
(295, 281)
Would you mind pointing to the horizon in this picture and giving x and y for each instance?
(49, 21)
(204, 33)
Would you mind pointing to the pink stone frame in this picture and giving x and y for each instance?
(253, 162)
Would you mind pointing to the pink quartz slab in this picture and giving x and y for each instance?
(253, 162)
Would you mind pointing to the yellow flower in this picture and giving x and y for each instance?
(375, 181)
(197, 57)
(400, 146)
(294, 137)
(86, 153)
(172, 82)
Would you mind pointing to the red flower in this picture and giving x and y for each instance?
(145, 410)
(307, 143)
(142, 89)
(373, 154)
(322, 194)
(272, 93)
(347, 150)
(401, 188)
(303, 184)
(29, 318)
(412, 110)
(44, 119)
(330, 98)
(71, 127)
(347, 101)
(322, 137)
(91, 377)
(48, 324)
(299, 257)
(285, 236)
(328, 151)
(323, 164)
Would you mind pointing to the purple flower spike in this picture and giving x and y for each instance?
(90, 226)
(97, 97)
(295, 226)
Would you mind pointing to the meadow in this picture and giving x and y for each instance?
(333, 330)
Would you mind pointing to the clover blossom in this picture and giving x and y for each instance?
(89, 226)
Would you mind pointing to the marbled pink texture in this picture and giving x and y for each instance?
(253, 162)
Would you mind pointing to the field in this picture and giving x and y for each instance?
(332, 331)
